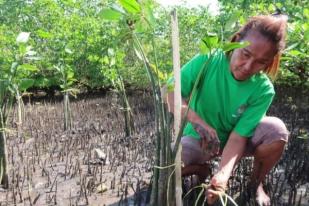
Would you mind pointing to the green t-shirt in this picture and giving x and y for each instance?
(223, 102)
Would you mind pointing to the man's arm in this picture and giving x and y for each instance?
(232, 152)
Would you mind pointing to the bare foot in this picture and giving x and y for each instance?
(261, 197)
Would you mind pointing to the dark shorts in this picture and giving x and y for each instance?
(269, 130)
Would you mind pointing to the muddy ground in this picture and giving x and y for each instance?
(96, 164)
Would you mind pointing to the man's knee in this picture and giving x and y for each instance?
(273, 150)
(272, 129)
(192, 152)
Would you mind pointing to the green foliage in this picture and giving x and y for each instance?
(294, 67)
(77, 36)
(211, 42)
(12, 81)
(110, 14)
(130, 6)
(234, 45)
(16, 76)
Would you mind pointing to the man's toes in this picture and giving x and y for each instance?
(263, 200)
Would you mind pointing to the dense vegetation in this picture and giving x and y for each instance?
(86, 44)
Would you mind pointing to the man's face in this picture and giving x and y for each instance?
(254, 58)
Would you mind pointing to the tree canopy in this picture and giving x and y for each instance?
(88, 43)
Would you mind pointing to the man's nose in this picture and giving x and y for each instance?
(248, 66)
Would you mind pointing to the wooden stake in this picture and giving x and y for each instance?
(177, 105)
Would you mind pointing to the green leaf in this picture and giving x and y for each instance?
(271, 8)
(3, 88)
(140, 26)
(305, 136)
(44, 34)
(234, 45)
(70, 74)
(23, 37)
(59, 69)
(31, 58)
(105, 60)
(292, 46)
(118, 8)
(131, 6)
(158, 73)
(149, 15)
(112, 61)
(67, 50)
(70, 82)
(209, 42)
(306, 12)
(203, 48)
(110, 14)
(27, 67)
(295, 53)
(46, 82)
(110, 52)
(25, 84)
(30, 53)
(306, 31)
(13, 67)
(285, 58)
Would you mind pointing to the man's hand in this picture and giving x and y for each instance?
(209, 139)
(213, 194)
(218, 186)
(232, 152)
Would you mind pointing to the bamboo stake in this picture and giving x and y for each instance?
(177, 105)
(19, 112)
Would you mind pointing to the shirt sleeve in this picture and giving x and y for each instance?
(253, 114)
(189, 74)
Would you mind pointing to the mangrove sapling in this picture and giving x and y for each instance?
(131, 12)
(162, 128)
(67, 80)
(11, 83)
(112, 73)
(6, 102)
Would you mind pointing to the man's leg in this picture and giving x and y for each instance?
(269, 141)
(194, 159)
(265, 158)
